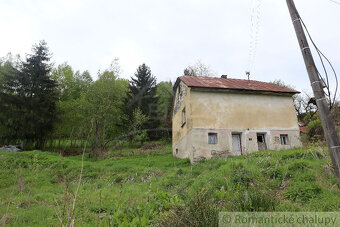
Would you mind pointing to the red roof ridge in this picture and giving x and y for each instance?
(234, 84)
(211, 77)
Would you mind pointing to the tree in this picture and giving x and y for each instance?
(142, 89)
(336, 114)
(164, 105)
(142, 95)
(29, 98)
(103, 107)
(8, 68)
(71, 87)
(71, 84)
(137, 132)
(199, 69)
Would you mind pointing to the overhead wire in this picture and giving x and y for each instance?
(332, 100)
(336, 2)
(254, 33)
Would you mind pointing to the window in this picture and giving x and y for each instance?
(212, 138)
(284, 139)
(260, 138)
(183, 117)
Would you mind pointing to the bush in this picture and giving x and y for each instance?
(198, 211)
(302, 191)
(180, 172)
(314, 129)
(275, 173)
(298, 166)
(252, 200)
(307, 176)
(241, 177)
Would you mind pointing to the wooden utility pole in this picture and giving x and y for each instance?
(317, 86)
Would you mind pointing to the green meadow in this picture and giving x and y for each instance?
(141, 187)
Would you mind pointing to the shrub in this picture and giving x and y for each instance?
(302, 191)
(298, 166)
(163, 201)
(198, 211)
(314, 130)
(327, 203)
(180, 172)
(253, 200)
(275, 173)
(241, 177)
(307, 176)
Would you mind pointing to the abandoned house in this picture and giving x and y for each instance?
(220, 117)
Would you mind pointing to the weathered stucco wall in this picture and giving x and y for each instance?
(222, 110)
(196, 147)
(182, 101)
(228, 113)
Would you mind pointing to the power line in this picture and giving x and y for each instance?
(335, 2)
(254, 33)
(321, 56)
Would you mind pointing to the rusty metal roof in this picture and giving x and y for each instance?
(233, 84)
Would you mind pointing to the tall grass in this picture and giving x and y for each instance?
(151, 187)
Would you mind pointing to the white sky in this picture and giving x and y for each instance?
(169, 35)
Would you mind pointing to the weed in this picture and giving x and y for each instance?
(156, 188)
(241, 177)
(198, 211)
(302, 191)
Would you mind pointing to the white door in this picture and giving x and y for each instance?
(236, 144)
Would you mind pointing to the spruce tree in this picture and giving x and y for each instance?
(29, 98)
(142, 96)
(142, 89)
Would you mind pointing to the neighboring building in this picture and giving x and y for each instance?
(302, 128)
(220, 117)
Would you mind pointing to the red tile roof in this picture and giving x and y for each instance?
(303, 128)
(233, 84)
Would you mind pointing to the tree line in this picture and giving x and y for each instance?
(43, 105)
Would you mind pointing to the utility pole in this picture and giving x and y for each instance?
(317, 86)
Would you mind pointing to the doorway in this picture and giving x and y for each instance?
(236, 141)
(261, 141)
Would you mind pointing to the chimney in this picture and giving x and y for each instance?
(224, 76)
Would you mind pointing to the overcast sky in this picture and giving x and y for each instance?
(168, 35)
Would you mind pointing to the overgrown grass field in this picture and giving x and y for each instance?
(150, 187)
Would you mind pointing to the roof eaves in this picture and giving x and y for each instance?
(244, 90)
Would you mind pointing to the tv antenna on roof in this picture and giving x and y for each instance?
(248, 74)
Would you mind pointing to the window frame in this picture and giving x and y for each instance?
(284, 139)
(184, 116)
(212, 135)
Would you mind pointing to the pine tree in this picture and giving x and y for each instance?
(142, 96)
(29, 97)
(142, 89)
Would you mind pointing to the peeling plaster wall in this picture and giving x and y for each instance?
(182, 100)
(227, 113)
(236, 110)
(195, 144)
